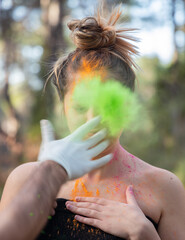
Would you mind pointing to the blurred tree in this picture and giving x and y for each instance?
(52, 15)
(27, 30)
(169, 104)
(169, 99)
(10, 119)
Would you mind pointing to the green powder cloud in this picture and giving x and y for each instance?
(116, 104)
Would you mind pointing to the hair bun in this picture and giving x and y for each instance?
(89, 34)
(101, 31)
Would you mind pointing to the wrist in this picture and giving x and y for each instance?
(138, 233)
(145, 230)
(58, 169)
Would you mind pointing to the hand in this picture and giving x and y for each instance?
(119, 219)
(72, 152)
(52, 211)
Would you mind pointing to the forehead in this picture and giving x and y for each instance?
(86, 74)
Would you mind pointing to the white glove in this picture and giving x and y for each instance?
(72, 152)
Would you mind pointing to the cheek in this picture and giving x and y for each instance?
(70, 115)
(74, 119)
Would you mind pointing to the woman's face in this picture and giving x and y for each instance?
(76, 116)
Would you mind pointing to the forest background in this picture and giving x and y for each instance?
(34, 33)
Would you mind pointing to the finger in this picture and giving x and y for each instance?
(85, 128)
(100, 162)
(84, 211)
(89, 221)
(92, 206)
(100, 201)
(130, 196)
(98, 149)
(92, 141)
(47, 131)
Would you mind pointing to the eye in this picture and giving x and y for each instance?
(80, 108)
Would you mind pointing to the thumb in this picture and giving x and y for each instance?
(47, 131)
(130, 196)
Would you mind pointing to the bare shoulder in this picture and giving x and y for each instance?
(168, 186)
(166, 180)
(171, 195)
(163, 179)
(15, 180)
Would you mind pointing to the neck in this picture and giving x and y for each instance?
(112, 148)
(120, 156)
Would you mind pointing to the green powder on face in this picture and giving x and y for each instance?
(117, 105)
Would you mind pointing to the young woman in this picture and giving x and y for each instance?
(159, 194)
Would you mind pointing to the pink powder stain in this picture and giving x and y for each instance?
(117, 178)
(131, 192)
(125, 164)
(115, 157)
(132, 156)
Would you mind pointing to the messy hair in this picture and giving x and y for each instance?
(102, 45)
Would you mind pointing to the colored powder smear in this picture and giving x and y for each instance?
(80, 190)
(116, 104)
(113, 190)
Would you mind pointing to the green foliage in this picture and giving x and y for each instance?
(169, 103)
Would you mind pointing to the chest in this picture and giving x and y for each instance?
(109, 189)
(114, 189)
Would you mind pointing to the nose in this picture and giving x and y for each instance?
(89, 114)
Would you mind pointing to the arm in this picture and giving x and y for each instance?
(147, 232)
(32, 209)
(27, 208)
(172, 222)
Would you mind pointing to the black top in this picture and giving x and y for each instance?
(63, 226)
